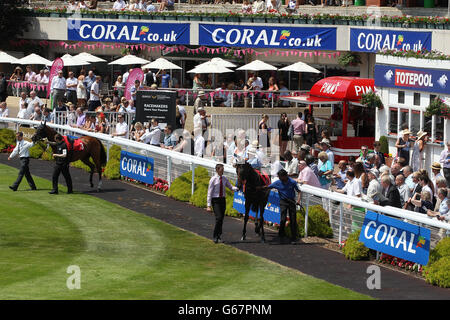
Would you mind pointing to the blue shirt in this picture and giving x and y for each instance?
(255, 163)
(286, 191)
(165, 80)
(324, 168)
(170, 141)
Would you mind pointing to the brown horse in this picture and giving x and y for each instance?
(92, 148)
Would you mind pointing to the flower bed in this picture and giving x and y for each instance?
(401, 263)
(272, 17)
(158, 185)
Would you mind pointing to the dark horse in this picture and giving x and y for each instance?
(255, 196)
(92, 148)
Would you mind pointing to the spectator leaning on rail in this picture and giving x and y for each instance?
(442, 211)
(445, 161)
(121, 128)
(306, 175)
(152, 134)
(170, 140)
(374, 185)
(4, 112)
(389, 196)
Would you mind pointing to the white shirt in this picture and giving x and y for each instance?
(199, 146)
(353, 188)
(4, 113)
(119, 5)
(96, 88)
(58, 83)
(71, 81)
(125, 77)
(29, 76)
(21, 149)
(214, 188)
(292, 167)
(182, 112)
(41, 79)
(122, 128)
(372, 190)
(131, 109)
(197, 121)
(34, 101)
(22, 114)
(257, 83)
(152, 136)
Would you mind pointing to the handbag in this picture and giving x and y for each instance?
(290, 133)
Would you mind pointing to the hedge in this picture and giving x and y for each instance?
(318, 223)
(7, 138)
(437, 272)
(354, 249)
(37, 150)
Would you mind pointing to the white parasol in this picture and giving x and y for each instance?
(128, 60)
(161, 64)
(209, 67)
(257, 65)
(6, 58)
(34, 59)
(300, 67)
(89, 57)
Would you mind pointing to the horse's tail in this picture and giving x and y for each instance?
(102, 153)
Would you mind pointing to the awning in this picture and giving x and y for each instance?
(343, 88)
(306, 98)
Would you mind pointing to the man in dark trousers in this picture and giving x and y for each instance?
(286, 189)
(22, 149)
(61, 156)
(216, 198)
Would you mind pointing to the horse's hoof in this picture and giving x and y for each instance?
(263, 240)
(92, 185)
(243, 237)
(99, 190)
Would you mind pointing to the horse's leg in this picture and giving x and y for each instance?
(87, 162)
(98, 166)
(247, 211)
(261, 222)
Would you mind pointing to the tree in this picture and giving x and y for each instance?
(13, 18)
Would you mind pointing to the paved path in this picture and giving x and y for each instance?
(310, 259)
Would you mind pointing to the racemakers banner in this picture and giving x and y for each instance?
(374, 40)
(136, 167)
(156, 104)
(267, 37)
(396, 238)
(130, 32)
(417, 79)
(271, 212)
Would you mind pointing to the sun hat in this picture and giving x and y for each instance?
(325, 141)
(375, 172)
(201, 92)
(305, 147)
(421, 134)
(256, 144)
(436, 166)
(406, 131)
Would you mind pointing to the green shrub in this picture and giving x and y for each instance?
(438, 273)
(80, 164)
(37, 150)
(180, 188)
(114, 152)
(47, 155)
(318, 223)
(355, 250)
(199, 198)
(441, 250)
(7, 138)
(384, 145)
(112, 169)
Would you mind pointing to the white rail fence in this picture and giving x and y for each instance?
(170, 164)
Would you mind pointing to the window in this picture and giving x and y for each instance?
(401, 97)
(415, 122)
(432, 97)
(427, 125)
(439, 136)
(404, 119)
(416, 99)
(393, 112)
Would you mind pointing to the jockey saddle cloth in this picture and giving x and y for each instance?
(73, 144)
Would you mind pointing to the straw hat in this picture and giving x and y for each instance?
(255, 144)
(326, 141)
(201, 93)
(436, 166)
(305, 147)
(421, 134)
(406, 131)
(375, 172)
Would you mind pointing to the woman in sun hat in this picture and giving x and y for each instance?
(403, 145)
(417, 153)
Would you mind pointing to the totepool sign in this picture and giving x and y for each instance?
(428, 80)
(136, 167)
(396, 238)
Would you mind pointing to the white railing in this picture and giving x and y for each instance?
(174, 164)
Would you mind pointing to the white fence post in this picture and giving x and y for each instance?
(193, 178)
(306, 215)
(169, 170)
(341, 212)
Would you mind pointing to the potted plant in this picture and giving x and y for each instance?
(300, 18)
(232, 17)
(437, 107)
(196, 16)
(259, 18)
(372, 100)
(349, 59)
(246, 18)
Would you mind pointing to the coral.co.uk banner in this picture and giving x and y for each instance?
(418, 79)
(137, 167)
(267, 37)
(130, 32)
(396, 238)
(374, 40)
(272, 209)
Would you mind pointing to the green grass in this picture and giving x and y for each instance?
(126, 255)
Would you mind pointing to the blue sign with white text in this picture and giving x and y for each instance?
(137, 167)
(271, 212)
(130, 32)
(374, 40)
(417, 79)
(267, 37)
(396, 238)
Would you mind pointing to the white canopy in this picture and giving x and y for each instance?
(161, 64)
(6, 58)
(89, 57)
(128, 60)
(257, 65)
(223, 63)
(209, 67)
(70, 61)
(300, 67)
(34, 59)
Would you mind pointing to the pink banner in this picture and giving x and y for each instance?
(135, 74)
(57, 66)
